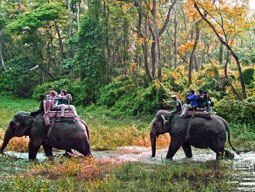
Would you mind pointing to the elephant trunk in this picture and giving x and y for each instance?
(8, 135)
(153, 144)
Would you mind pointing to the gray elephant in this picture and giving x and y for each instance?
(203, 134)
(64, 135)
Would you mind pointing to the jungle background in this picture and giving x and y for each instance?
(122, 61)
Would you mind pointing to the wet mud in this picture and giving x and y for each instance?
(244, 164)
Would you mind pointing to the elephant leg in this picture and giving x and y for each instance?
(187, 150)
(47, 150)
(173, 148)
(228, 154)
(68, 153)
(219, 152)
(84, 148)
(33, 149)
(218, 145)
(219, 155)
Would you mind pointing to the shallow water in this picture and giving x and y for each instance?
(244, 164)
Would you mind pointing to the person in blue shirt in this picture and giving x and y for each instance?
(191, 102)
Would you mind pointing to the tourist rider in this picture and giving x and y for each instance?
(50, 101)
(208, 104)
(191, 103)
(63, 102)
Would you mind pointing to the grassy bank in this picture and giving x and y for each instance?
(90, 175)
(108, 131)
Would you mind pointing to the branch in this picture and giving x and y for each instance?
(228, 80)
(167, 18)
(33, 68)
(214, 30)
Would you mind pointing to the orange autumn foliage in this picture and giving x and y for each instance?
(80, 168)
(162, 141)
(19, 144)
(188, 46)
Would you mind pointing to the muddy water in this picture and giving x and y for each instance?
(244, 164)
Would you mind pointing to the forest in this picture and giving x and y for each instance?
(122, 60)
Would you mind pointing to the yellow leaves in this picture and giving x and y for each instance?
(141, 40)
(157, 83)
(191, 12)
(133, 65)
(188, 46)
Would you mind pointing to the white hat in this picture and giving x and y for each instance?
(174, 96)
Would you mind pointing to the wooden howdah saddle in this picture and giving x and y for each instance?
(199, 112)
(55, 115)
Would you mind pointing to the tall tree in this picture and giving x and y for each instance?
(222, 36)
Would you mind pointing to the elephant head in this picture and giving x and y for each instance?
(158, 128)
(19, 126)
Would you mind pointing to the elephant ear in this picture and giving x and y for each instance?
(28, 121)
(24, 120)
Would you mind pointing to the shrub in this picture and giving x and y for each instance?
(18, 80)
(129, 99)
(235, 110)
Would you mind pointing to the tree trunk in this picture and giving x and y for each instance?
(71, 18)
(193, 52)
(144, 37)
(153, 58)
(2, 60)
(145, 49)
(221, 54)
(106, 15)
(175, 40)
(228, 48)
(1, 51)
(157, 43)
(61, 47)
(228, 80)
(78, 14)
(125, 44)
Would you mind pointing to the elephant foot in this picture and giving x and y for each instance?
(169, 159)
(51, 158)
(228, 154)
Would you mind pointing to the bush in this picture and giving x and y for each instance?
(236, 111)
(249, 76)
(18, 80)
(129, 99)
(80, 90)
(57, 85)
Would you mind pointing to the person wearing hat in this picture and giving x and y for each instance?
(191, 103)
(207, 104)
(178, 105)
(178, 108)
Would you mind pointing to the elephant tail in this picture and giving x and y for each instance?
(228, 130)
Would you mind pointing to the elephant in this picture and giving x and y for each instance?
(64, 135)
(203, 133)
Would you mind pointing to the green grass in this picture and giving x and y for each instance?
(211, 176)
(108, 131)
